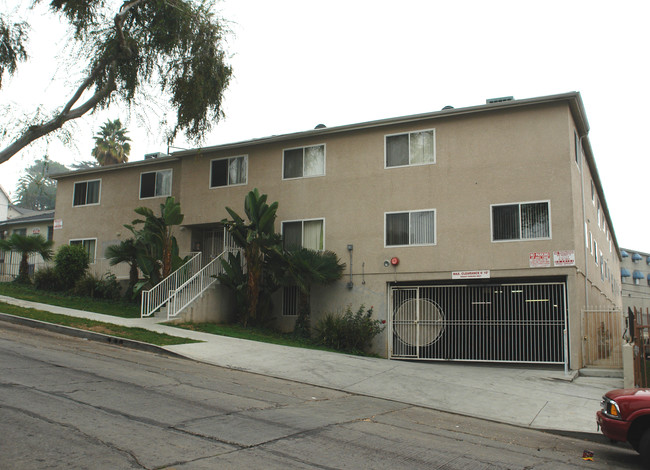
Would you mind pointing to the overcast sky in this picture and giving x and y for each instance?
(301, 63)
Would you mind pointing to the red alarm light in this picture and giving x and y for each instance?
(394, 261)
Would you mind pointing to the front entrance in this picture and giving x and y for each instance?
(211, 242)
(517, 323)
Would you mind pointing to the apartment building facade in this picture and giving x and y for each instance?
(635, 279)
(477, 233)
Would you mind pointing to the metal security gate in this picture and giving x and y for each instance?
(603, 337)
(522, 323)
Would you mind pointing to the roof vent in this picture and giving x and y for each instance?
(149, 156)
(320, 126)
(499, 100)
(448, 107)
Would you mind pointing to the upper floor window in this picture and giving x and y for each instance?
(88, 245)
(304, 234)
(303, 162)
(156, 184)
(228, 171)
(524, 221)
(411, 228)
(86, 193)
(413, 148)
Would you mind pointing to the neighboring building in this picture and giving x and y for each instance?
(33, 223)
(5, 202)
(635, 276)
(477, 233)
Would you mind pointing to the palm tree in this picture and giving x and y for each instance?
(305, 268)
(257, 238)
(111, 144)
(27, 245)
(125, 252)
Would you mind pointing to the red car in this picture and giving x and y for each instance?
(625, 416)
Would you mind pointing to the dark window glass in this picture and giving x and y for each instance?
(397, 150)
(293, 163)
(505, 222)
(397, 229)
(219, 174)
(79, 198)
(292, 235)
(148, 184)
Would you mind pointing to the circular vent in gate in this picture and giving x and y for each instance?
(421, 331)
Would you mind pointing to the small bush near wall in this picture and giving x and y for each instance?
(71, 264)
(98, 287)
(47, 279)
(350, 332)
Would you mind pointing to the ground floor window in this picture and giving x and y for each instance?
(290, 297)
(304, 234)
(89, 245)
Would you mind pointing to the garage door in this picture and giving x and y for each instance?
(519, 323)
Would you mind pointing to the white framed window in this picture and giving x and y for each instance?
(303, 162)
(290, 300)
(156, 184)
(410, 228)
(86, 193)
(521, 221)
(593, 193)
(308, 233)
(596, 252)
(412, 148)
(231, 171)
(89, 244)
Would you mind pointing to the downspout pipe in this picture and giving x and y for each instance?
(586, 240)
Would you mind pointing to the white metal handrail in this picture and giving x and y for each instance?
(158, 295)
(185, 294)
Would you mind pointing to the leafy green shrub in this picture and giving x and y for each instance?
(99, 287)
(351, 332)
(47, 279)
(71, 263)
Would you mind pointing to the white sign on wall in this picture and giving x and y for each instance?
(540, 259)
(36, 231)
(479, 274)
(564, 258)
(58, 224)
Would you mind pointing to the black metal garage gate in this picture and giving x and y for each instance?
(521, 323)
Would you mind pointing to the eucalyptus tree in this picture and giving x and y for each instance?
(36, 190)
(127, 49)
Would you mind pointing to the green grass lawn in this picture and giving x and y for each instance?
(108, 307)
(137, 334)
(253, 334)
(129, 310)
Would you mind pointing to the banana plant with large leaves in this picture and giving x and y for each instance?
(256, 237)
(158, 254)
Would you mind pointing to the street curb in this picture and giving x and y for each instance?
(89, 335)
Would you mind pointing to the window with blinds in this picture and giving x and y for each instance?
(410, 228)
(413, 148)
(229, 171)
(521, 221)
(86, 193)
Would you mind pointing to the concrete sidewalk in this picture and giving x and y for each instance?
(534, 397)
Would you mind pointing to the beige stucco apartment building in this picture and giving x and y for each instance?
(477, 233)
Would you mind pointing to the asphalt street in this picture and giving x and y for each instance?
(71, 403)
